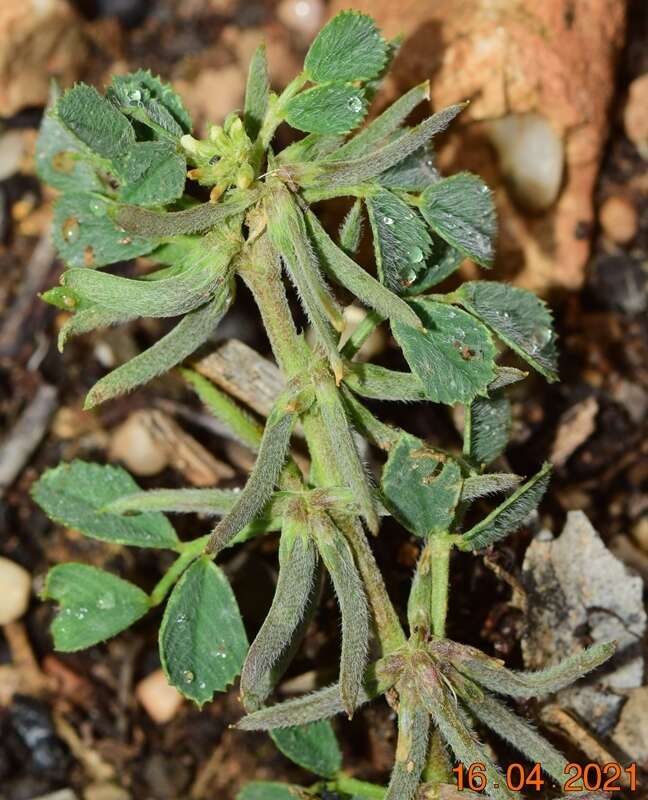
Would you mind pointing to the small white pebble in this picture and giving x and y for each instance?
(15, 590)
(305, 17)
(160, 700)
(133, 445)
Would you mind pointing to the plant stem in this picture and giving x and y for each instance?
(353, 786)
(263, 277)
(440, 546)
(360, 335)
(188, 552)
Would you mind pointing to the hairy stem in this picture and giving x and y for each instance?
(263, 277)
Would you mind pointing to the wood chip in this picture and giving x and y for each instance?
(575, 427)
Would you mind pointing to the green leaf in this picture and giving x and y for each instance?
(351, 229)
(338, 560)
(461, 210)
(167, 297)
(344, 451)
(380, 383)
(88, 319)
(297, 568)
(329, 108)
(95, 605)
(441, 263)
(192, 220)
(413, 174)
(421, 486)
(74, 495)
(411, 750)
(519, 318)
(352, 276)
(202, 638)
(510, 515)
(401, 240)
(488, 426)
(153, 174)
(257, 92)
(348, 48)
(149, 100)
(383, 126)
(188, 335)
(86, 236)
(375, 431)
(95, 121)
(453, 358)
(288, 233)
(314, 747)
(267, 790)
(492, 674)
(262, 480)
(350, 173)
(61, 160)
(313, 147)
(477, 486)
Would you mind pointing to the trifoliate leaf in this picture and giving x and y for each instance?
(329, 108)
(95, 121)
(74, 495)
(348, 48)
(314, 747)
(62, 161)
(421, 486)
(510, 515)
(401, 239)
(461, 210)
(453, 358)
(153, 174)
(519, 318)
(257, 92)
(149, 100)
(489, 426)
(86, 236)
(202, 638)
(94, 605)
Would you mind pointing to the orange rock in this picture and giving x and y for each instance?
(619, 219)
(160, 700)
(554, 58)
(635, 114)
(39, 40)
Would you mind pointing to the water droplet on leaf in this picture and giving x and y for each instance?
(188, 676)
(354, 104)
(388, 220)
(416, 255)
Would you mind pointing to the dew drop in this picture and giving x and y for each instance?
(188, 676)
(97, 207)
(135, 96)
(354, 104)
(416, 255)
(202, 685)
(388, 220)
(106, 601)
(71, 229)
(181, 619)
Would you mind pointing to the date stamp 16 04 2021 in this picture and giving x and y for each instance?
(611, 777)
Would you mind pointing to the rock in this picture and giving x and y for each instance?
(555, 59)
(47, 754)
(61, 794)
(160, 700)
(594, 598)
(134, 445)
(575, 427)
(11, 152)
(39, 40)
(105, 791)
(635, 114)
(619, 219)
(304, 17)
(631, 732)
(16, 589)
(531, 158)
(640, 533)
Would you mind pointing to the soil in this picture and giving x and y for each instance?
(75, 722)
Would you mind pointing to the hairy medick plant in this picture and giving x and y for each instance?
(121, 162)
